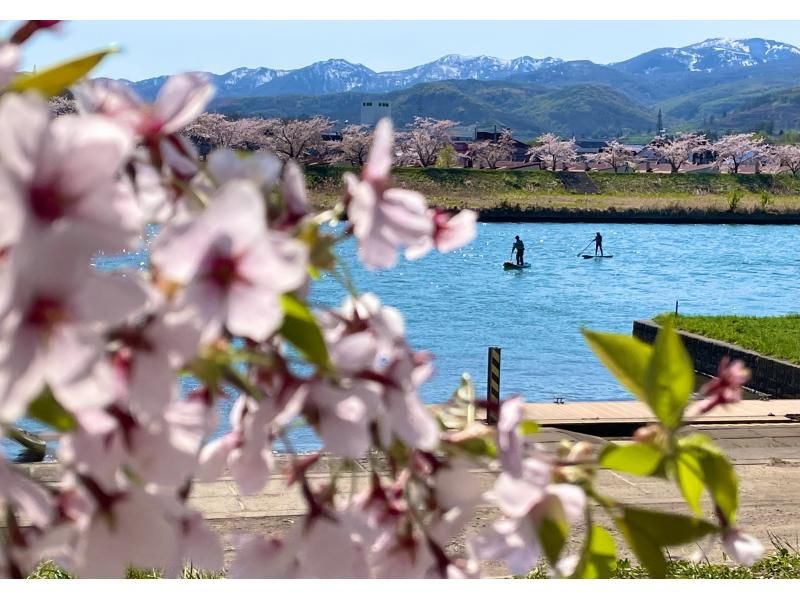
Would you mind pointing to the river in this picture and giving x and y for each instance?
(456, 305)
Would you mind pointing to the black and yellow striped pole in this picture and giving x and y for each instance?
(493, 387)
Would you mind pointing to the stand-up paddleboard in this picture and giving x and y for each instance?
(588, 257)
(510, 266)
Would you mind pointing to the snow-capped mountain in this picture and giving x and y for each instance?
(711, 55)
(335, 76)
(659, 69)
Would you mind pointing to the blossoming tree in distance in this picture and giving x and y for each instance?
(98, 357)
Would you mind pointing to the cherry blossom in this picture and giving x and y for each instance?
(24, 494)
(261, 168)
(149, 356)
(525, 494)
(552, 150)
(51, 332)
(233, 268)
(64, 173)
(384, 219)
(425, 139)
(247, 449)
(9, 61)
(451, 231)
(182, 99)
(130, 528)
(742, 548)
(726, 388)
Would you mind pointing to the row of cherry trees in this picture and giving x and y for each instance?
(304, 141)
(729, 152)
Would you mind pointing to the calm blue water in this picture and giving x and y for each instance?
(457, 305)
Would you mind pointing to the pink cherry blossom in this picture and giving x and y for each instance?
(197, 545)
(261, 168)
(741, 547)
(64, 173)
(450, 232)
(726, 388)
(406, 415)
(363, 333)
(150, 355)
(293, 190)
(132, 530)
(234, 269)
(9, 61)
(384, 219)
(345, 415)
(247, 449)
(182, 99)
(26, 495)
(51, 331)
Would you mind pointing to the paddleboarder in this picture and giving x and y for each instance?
(519, 247)
(598, 243)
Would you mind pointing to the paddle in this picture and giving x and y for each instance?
(585, 248)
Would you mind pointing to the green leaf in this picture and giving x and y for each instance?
(599, 560)
(649, 553)
(625, 357)
(647, 532)
(55, 79)
(553, 537)
(669, 378)
(49, 411)
(478, 447)
(301, 330)
(718, 474)
(689, 475)
(638, 458)
(528, 427)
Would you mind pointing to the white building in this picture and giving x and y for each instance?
(373, 110)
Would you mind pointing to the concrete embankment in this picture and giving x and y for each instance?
(769, 375)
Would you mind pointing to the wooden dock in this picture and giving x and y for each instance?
(629, 413)
(633, 412)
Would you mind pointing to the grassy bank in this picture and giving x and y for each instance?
(777, 336)
(595, 191)
(783, 564)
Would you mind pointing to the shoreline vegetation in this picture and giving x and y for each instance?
(546, 196)
(772, 336)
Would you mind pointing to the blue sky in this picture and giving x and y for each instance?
(163, 47)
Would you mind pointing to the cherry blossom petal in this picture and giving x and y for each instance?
(181, 100)
(460, 230)
(25, 494)
(9, 62)
(379, 162)
(251, 466)
(252, 312)
(742, 548)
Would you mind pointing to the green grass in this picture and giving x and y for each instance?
(532, 189)
(49, 570)
(784, 563)
(777, 336)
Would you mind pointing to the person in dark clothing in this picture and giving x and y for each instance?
(519, 247)
(598, 243)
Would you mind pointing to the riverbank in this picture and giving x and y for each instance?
(544, 196)
(773, 336)
(765, 458)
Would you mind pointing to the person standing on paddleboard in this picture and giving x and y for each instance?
(519, 247)
(598, 243)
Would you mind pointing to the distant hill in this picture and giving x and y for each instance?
(528, 109)
(700, 85)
